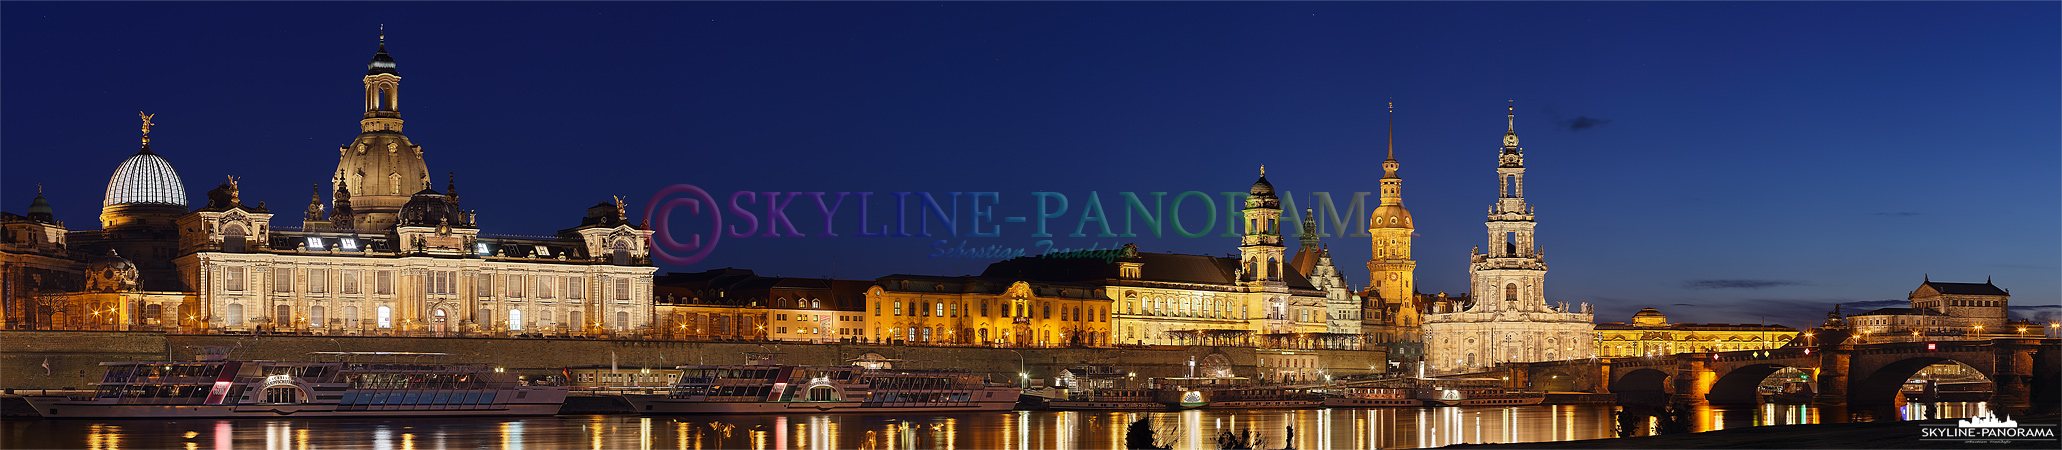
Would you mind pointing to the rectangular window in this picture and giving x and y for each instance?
(282, 280)
(318, 280)
(781, 330)
(515, 285)
(622, 289)
(315, 317)
(351, 281)
(442, 281)
(483, 285)
(576, 288)
(544, 288)
(386, 282)
(232, 278)
(351, 316)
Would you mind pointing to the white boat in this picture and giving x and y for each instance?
(774, 389)
(341, 388)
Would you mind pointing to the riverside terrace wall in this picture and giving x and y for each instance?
(74, 355)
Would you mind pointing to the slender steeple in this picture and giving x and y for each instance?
(315, 203)
(1309, 236)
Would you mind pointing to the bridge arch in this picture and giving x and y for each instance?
(1644, 379)
(1739, 386)
(1881, 387)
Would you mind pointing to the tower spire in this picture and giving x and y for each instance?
(1392, 130)
(1511, 127)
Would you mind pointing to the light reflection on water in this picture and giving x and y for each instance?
(1386, 428)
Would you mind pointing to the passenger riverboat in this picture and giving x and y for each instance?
(1228, 393)
(221, 387)
(1371, 398)
(1108, 400)
(770, 389)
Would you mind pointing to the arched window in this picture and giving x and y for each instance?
(622, 320)
(235, 315)
(386, 317)
(1274, 270)
(1511, 292)
(315, 317)
(515, 320)
(351, 316)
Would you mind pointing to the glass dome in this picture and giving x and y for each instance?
(145, 179)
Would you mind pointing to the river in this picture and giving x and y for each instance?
(1388, 428)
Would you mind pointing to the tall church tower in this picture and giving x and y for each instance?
(381, 169)
(1260, 248)
(1390, 228)
(1512, 275)
(1507, 319)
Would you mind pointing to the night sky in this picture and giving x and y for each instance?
(1723, 162)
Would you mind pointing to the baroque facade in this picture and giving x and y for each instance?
(403, 258)
(1650, 334)
(1508, 318)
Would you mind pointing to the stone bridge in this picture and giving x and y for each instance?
(2023, 371)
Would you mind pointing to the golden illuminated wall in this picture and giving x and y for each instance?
(1623, 340)
(1017, 316)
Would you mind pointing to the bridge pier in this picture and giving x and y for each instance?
(2012, 385)
(1694, 378)
(1832, 373)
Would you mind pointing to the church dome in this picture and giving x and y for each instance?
(145, 179)
(1390, 216)
(1262, 188)
(381, 61)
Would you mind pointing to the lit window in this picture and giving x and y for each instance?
(543, 251)
(481, 248)
(349, 244)
(314, 243)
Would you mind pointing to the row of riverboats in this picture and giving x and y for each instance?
(1235, 393)
(400, 384)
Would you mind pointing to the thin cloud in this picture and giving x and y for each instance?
(1682, 304)
(1580, 123)
(1738, 284)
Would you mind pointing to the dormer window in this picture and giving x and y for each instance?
(481, 248)
(543, 252)
(315, 243)
(348, 244)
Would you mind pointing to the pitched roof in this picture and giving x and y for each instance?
(1984, 288)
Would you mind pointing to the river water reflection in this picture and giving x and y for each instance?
(1388, 428)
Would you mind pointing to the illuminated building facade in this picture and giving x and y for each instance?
(390, 256)
(989, 310)
(1508, 318)
(1650, 334)
(729, 303)
(1941, 309)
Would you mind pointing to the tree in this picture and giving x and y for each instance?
(1140, 436)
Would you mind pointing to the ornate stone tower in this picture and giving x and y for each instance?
(381, 168)
(1390, 229)
(1260, 248)
(1508, 319)
(1512, 275)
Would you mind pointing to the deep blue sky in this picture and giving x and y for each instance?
(1739, 160)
